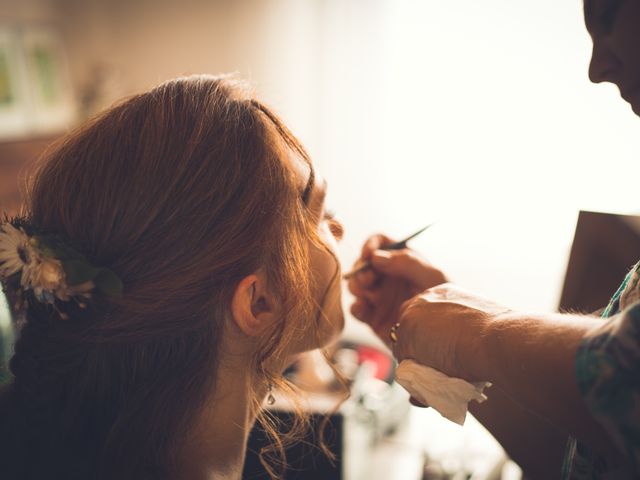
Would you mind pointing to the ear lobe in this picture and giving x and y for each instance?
(251, 306)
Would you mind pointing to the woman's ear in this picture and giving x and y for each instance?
(253, 307)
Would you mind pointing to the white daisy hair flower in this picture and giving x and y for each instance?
(15, 251)
(48, 268)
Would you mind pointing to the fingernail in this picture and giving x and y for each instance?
(381, 256)
(417, 403)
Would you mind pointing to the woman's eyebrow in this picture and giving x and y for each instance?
(306, 193)
(320, 196)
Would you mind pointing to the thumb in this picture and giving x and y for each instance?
(401, 263)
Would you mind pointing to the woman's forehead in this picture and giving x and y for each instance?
(306, 176)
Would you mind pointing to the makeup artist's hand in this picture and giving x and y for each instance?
(396, 276)
(444, 328)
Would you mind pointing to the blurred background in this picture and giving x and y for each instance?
(476, 115)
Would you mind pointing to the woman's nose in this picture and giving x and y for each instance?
(604, 65)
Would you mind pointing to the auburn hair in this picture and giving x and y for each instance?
(182, 191)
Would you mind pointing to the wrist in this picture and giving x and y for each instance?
(488, 351)
(430, 277)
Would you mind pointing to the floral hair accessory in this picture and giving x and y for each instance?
(46, 266)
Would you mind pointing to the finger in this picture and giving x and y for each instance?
(372, 296)
(354, 287)
(401, 263)
(367, 278)
(417, 403)
(383, 318)
(375, 242)
(362, 310)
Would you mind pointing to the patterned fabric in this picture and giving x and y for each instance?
(608, 374)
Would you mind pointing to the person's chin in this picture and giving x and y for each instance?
(633, 98)
(331, 318)
(337, 326)
(331, 328)
(328, 331)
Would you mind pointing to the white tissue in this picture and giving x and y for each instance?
(449, 396)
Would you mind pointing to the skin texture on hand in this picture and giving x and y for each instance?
(529, 357)
(444, 328)
(396, 277)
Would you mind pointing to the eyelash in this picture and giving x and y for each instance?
(329, 214)
(336, 228)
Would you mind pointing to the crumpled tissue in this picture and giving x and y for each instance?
(447, 395)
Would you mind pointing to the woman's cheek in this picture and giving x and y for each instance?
(328, 238)
(331, 314)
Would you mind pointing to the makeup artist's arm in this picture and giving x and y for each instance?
(529, 357)
(532, 442)
(536, 445)
(379, 294)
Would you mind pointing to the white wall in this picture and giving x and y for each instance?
(476, 114)
(479, 115)
(139, 44)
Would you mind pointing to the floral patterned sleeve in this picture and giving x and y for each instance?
(608, 374)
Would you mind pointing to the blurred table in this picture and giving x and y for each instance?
(453, 452)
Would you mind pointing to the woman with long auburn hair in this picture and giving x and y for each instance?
(173, 255)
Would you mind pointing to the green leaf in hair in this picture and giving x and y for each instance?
(108, 283)
(78, 272)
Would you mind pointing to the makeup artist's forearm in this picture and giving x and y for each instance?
(532, 442)
(532, 359)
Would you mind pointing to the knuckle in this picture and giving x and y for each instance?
(358, 290)
(403, 258)
(367, 276)
(405, 308)
(373, 297)
(373, 242)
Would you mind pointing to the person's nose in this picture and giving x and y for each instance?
(604, 65)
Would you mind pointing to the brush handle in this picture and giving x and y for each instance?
(366, 265)
(393, 246)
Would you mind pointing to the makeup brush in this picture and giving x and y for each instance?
(364, 265)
